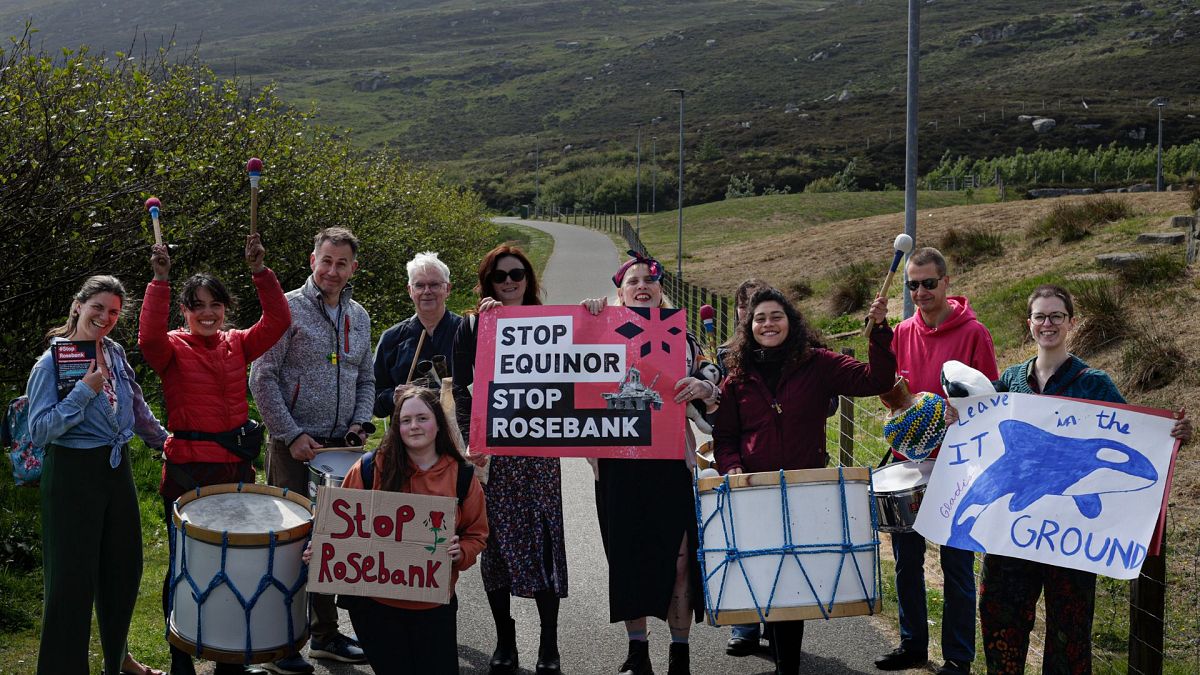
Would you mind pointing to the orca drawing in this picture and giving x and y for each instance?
(1039, 464)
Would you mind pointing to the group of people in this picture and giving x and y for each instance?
(318, 383)
(771, 417)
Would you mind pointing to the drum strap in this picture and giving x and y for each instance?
(466, 471)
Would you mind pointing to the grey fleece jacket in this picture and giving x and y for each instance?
(319, 378)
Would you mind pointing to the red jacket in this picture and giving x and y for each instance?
(204, 378)
(921, 351)
(755, 431)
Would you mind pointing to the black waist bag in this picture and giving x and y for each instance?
(244, 441)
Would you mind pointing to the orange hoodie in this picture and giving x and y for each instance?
(440, 480)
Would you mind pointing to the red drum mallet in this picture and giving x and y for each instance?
(153, 206)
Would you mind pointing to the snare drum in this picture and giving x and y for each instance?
(329, 468)
(788, 545)
(899, 489)
(237, 587)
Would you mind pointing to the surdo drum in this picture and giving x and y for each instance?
(329, 468)
(899, 489)
(788, 545)
(237, 587)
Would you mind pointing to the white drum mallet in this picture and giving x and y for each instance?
(903, 246)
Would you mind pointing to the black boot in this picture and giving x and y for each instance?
(504, 659)
(548, 662)
(181, 662)
(677, 663)
(638, 660)
(786, 641)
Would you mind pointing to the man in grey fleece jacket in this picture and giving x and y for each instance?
(312, 388)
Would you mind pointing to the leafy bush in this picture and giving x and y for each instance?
(1072, 221)
(739, 187)
(972, 244)
(1153, 269)
(1103, 318)
(852, 287)
(1107, 164)
(842, 181)
(84, 140)
(1194, 198)
(1151, 360)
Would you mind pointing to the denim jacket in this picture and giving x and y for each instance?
(84, 419)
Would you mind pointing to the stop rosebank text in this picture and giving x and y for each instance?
(374, 568)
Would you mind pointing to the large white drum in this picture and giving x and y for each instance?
(237, 588)
(329, 468)
(788, 545)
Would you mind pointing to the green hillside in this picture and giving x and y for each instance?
(784, 90)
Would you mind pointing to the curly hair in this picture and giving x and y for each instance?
(395, 472)
(797, 346)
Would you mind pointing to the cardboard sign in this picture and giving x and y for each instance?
(556, 381)
(382, 544)
(1062, 481)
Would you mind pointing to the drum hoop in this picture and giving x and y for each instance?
(738, 481)
(218, 537)
(227, 656)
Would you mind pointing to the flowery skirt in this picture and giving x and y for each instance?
(526, 551)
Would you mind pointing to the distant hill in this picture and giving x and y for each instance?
(467, 84)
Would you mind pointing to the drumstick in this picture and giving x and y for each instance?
(903, 246)
(254, 167)
(416, 356)
(153, 205)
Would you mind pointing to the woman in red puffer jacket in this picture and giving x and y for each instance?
(203, 373)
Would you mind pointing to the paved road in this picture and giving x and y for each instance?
(581, 266)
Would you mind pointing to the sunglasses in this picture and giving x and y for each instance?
(929, 284)
(499, 276)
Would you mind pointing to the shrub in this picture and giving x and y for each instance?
(972, 244)
(1151, 360)
(1153, 269)
(1194, 198)
(852, 287)
(1103, 319)
(798, 290)
(739, 186)
(1073, 221)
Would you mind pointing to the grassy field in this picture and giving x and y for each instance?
(20, 538)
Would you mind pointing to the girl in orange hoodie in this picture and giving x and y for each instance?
(418, 456)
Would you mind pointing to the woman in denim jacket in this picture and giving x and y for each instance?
(91, 527)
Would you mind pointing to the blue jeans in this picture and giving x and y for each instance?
(958, 611)
(749, 631)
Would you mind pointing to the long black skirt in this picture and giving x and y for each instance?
(646, 507)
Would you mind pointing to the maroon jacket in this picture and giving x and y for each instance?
(755, 431)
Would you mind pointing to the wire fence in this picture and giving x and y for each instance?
(1151, 625)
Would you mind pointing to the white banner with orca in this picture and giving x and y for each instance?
(1061, 481)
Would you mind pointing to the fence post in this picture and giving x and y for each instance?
(1147, 613)
(846, 424)
(723, 330)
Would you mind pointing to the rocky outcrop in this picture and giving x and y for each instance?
(1044, 125)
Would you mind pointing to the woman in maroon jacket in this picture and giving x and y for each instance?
(772, 413)
(203, 373)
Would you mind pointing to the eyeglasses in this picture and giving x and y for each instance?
(929, 284)
(499, 276)
(1055, 318)
(421, 286)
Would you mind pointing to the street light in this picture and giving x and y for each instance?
(537, 173)
(638, 199)
(1160, 103)
(910, 134)
(653, 174)
(679, 228)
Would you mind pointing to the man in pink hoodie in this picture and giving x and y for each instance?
(943, 329)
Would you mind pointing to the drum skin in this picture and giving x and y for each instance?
(827, 576)
(210, 620)
(329, 469)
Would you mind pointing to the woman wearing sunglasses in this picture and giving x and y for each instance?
(1009, 591)
(526, 555)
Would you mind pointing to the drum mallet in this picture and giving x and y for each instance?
(153, 206)
(254, 167)
(903, 246)
(707, 319)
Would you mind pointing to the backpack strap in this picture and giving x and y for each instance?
(466, 471)
(367, 467)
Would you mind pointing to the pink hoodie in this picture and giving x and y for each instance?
(921, 350)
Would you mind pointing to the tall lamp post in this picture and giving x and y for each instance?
(537, 173)
(1160, 103)
(910, 133)
(653, 174)
(638, 199)
(679, 228)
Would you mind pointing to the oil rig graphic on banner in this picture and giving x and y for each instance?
(633, 395)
